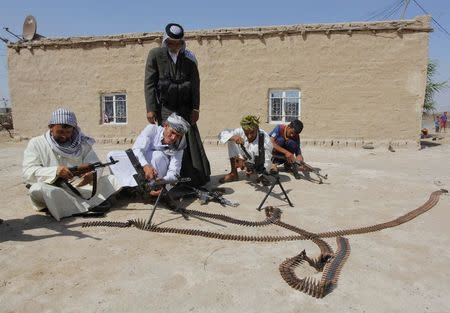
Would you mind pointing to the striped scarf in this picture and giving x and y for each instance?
(72, 147)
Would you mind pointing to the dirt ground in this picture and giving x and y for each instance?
(49, 266)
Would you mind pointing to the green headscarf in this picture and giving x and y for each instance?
(250, 122)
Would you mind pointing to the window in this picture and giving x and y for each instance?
(114, 108)
(284, 106)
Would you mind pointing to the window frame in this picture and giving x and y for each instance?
(283, 105)
(114, 101)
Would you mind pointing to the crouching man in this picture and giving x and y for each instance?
(286, 147)
(249, 148)
(46, 162)
(159, 150)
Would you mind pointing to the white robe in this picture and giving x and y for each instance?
(149, 150)
(40, 163)
(235, 150)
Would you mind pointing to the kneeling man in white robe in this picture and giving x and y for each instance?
(48, 157)
(159, 150)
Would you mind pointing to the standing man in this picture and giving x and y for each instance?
(48, 157)
(172, 84)
(444, 121)
(286, 146)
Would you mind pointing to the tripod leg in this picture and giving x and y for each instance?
(284, 192)
(154, 208)
(265, 197)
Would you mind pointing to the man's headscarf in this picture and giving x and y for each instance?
(176, 32)
(250, 122)
(179, 124)
(72, 147)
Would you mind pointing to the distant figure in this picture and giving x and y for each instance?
(437, 123)
(443, 121)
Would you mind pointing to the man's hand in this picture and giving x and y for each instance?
(300, 158)
(64, 172)
(194, 116)
(86, 179)
(150, 172)
(151, 117)
(290, 157)
(237, 139)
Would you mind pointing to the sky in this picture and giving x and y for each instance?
(99, 17)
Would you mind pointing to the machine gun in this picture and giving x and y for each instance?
(262, 176)
(80, 170)
(144, 185)
(304, 167)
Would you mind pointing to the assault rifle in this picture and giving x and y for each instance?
(250, 166)
(89, 167)
(144, 185)
(205, 196)
(304, 167)
(80, 170)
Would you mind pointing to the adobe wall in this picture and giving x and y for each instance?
(359, 81)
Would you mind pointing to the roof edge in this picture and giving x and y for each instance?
(418, 24)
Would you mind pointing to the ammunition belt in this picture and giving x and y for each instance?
(328, 262)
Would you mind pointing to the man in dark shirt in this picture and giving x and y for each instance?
(286, 146)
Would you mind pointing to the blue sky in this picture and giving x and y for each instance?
(82, 17)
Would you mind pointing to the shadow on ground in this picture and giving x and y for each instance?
(16, 229)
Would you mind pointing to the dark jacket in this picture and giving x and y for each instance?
(174, 86)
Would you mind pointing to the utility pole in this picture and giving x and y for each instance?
(5, 102)
(404, 10)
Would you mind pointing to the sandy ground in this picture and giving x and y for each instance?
(49, 266)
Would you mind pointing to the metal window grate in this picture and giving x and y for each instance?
(284, 106)
(114, 108)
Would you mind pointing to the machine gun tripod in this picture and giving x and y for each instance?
(144, 186)
(263, 175)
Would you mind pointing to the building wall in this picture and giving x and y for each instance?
(365, 85)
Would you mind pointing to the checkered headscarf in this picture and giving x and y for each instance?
(72, 147)
(63, 116)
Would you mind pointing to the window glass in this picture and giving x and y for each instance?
(284, 105)
(114, 109)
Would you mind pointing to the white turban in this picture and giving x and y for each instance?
(178, 123)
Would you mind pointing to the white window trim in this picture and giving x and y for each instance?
(283, 99)
(114, 94)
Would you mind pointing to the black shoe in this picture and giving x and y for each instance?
(103, 207)
(297, 175)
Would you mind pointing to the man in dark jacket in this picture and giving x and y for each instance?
(172, 84)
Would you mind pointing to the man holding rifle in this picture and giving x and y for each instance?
(158, 149)
(48, 168)
(286, 146)
(249, 148)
